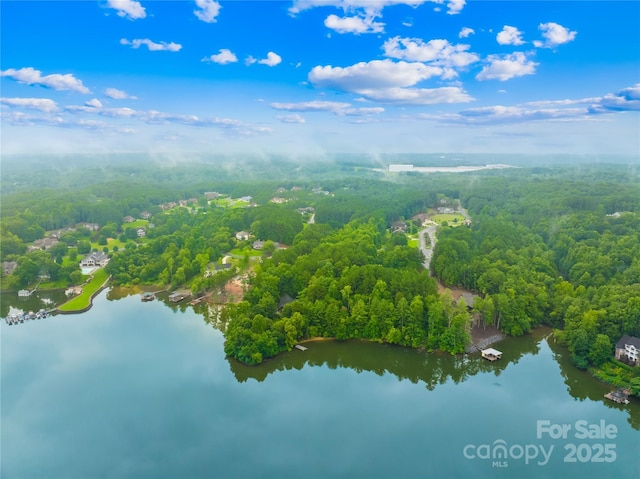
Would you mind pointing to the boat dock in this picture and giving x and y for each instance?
(491, 354)
(25, 293)
(148, 296)
(177, 297)
(300, 347)
(621, 396)
(24, 316)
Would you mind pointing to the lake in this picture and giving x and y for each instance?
(143, 390)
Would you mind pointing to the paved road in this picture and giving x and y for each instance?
(431, 231)
(427, 251)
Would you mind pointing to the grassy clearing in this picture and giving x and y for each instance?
(451, 219)
(413, 242)
(83, 300)
(136, 224)
(243, 251)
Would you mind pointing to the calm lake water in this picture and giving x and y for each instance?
(143, 390)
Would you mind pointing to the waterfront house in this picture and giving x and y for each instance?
(94, 259)
(627, 349)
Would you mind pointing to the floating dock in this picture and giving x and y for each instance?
(300, 347)
(491, 354)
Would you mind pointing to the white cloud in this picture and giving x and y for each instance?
(356, 25)
(418, 96)
(128, 8)
(94, 103)
(42, 104)
(352, 5)
(465, 32)
(365, 111)
(372, 75)
(510, 36)
(371, 7)
(627, 99)
(335, 107)
(295, 118)
(312, 106)
(207, 10)
(455, 6)
(567, 110)
(118, 94)
(272, 59)
(250, 60)
(152, 46)
(123, 112)
(554, 34)
(505, 67)
(439, 52)
(389, 81)
(57, 81)
(223, 57)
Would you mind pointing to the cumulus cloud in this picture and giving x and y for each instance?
(438, 52)
(295, 118)
(130, 9)
(250, 60)
(510, 36)
(370, 75)
(465, 32)
(57, 81)
(207, 10)
(118, 94)
(223, 57)
(505, 67)
(152, 46)
(388, 81)
(455, 6)
(94, 103)
(356, 25)
(42, 104)
(554, 34)
(272, 59)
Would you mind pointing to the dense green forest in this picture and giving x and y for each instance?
(551, 245)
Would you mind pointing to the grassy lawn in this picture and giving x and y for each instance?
(449, 218)
(136, 224)
(242, 252)
(61, 283)
(413, 242)
(223, 202)
(83, 300)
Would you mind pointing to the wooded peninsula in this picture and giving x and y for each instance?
(332, 249)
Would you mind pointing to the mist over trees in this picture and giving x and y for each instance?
(558, 246)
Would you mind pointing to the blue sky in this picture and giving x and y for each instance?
(320, 76)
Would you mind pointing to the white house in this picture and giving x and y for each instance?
(94, 259)
(627, 349)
